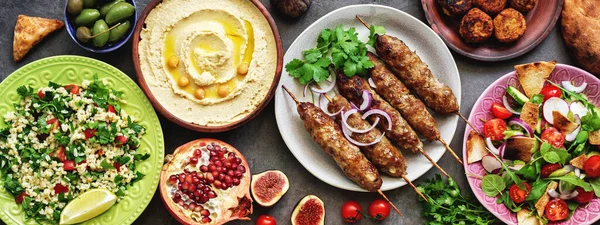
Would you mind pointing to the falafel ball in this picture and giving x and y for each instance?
(491, 7)
(522, 5)
(455, 7)
(509, 25)
(476, 26)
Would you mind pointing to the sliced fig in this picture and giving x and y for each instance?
(206, 181)
(309, 211)
(268, 187)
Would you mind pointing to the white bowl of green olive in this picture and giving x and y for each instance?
(100, 25)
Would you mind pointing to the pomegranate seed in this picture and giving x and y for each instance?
(197, 199)
(218, 164)
(197, 193)
(206, 220)
(223, 170)
(217, 183)
(235, 181)
(192, 188)
(195, 180)
(224, 148)
(221, 177)
(172, 179)
(227, 165)
(210, 146)
(179, 186)
(180, 202)
(215, 173)
(233, 166)
(198, 208)
(211, 194)
(197, 152)
(203, 199)
(194, 160)
(185, 185)
(206, 188)
(237, 174)
(219, 168)
(176, 197)
(189, 179)
(241, 168)
(217, 148)
(212, 167)
(238, 160)
(213, 154)
(186, 170)
(228, 179)
(186, 206)
(230, 173)
(204, 168)
(209, 177)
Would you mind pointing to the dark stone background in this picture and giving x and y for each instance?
(259, 139)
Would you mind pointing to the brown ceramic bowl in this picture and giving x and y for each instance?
(211, 129)
(540, 21)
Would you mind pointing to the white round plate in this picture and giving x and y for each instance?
(417, 36)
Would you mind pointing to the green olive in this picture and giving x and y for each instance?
(74, 7)
(104, 9)
(99, 27)
(83, 34)
(118, 32)
(119, 12)
(87, 17)
(89, 3)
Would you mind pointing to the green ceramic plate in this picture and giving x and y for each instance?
(75, 69)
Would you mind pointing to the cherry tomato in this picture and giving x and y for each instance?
(59, 188)
(592, 166)
(351, 211)
(111, 109)
(379, 209)
(60, 154)
(41, 94)
(551, 91)
(20, 197)
(500, 112)
(89, 133)
(494, 129)
(117, 166)
(266, 220)
(517, 194)
(549, 168)
(68, 165)
(120, 140)
(583, 196)
(556, 210)
(554, 137)
(74, 89)
(55, 123)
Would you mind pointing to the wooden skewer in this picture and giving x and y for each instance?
(392, 204)
(378, 191)
(467, 121)
(450, 150)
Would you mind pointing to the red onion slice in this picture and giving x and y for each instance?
(507, 106)
(488, 142)
(379, 112)
(370, 80)
(306, 87)
(323, 90)
(347, 134)
(521, 123)
(569, 196)
(345, 124)
(367, 99)
(570, 87)
(326, 111)
(553, 193)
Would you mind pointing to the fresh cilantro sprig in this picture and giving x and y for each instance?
(339, 47)
(446, 205)
(373, 32)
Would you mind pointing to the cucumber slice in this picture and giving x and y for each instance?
(538, 127)
(517, 95)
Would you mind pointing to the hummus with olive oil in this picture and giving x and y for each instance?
(208, 62)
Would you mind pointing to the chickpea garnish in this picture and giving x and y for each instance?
(173, 62)
(199, 93)
(183, 81)
(223, 91)
(243, 68)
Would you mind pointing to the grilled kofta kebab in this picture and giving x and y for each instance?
(383, 154)
(411, 108)
(348, 157)
(401, 133)
(411, 70)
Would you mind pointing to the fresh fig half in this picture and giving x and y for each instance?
(206, 181)
(309, 211)
(268, 187)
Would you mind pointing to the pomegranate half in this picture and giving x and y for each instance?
(206, 181)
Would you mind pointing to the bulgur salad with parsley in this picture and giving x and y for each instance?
(64, 140)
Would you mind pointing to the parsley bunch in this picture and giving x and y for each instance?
(446, 205)
(339, 47)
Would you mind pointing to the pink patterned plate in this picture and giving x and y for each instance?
(583, 215)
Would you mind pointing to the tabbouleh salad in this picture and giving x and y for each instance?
(64, 140)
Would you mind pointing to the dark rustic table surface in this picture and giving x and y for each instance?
(259, 139)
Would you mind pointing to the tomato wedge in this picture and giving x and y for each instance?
(517, 194)
(583, 196)
(551, 91)
(73, 89)
(120, 140)
(68, 165)
(111, 109)
(41, 94)
(20, 197)
(500, 112)
(554, 137)
(592, 166)
(59, 188)
(89, 133)
(494, 129)
(60, 154)
(556, 210)
(548, 169)
(55, 124)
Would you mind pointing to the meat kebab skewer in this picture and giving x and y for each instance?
(410, 107)
(348, 157)
(382, 153)
(411, 70)
(401, 133)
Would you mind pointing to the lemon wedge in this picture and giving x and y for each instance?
(87, 206)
